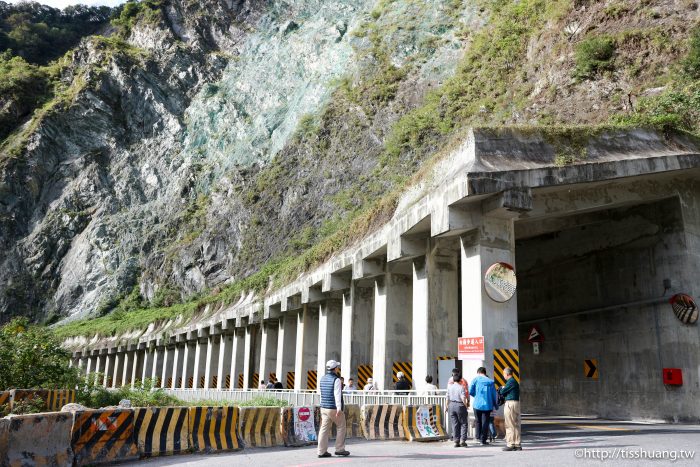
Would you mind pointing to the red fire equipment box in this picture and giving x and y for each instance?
(673, 376)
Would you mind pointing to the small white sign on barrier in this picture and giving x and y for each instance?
(424, 422)
(304, 429)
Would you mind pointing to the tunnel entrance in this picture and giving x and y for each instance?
(597, 286)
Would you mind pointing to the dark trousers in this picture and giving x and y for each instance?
(459, 419)
(482, 424)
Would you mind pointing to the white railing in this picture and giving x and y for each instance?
(307, 398)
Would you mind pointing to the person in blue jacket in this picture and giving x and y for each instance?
(483, 390)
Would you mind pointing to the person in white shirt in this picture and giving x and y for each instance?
(370, 386)
(429, 389)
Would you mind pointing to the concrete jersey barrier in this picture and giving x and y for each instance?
(214, 429)
(162, 431)
(103, 436)
(261, 426)
(382, 422)
(353, 424)
(299, 426)
(36, 440)
(423, 423)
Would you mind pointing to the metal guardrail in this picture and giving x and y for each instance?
(306, 398)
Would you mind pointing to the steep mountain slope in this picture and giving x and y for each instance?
(251, 139)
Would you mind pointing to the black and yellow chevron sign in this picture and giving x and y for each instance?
(240, 380)
(405, 367)
(364, 372)
(228, 381)
(290, 380)
(503, 358)
(590, 368)
(311, 377)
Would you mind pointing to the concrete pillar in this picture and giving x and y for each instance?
(176, 367)
(268, 349)
(135, 366)
(435, 310)
(154, 368)
(200, 363)
(330, 327)
(306, 346)
(248, 352)
(118, 369)
(187, 364)
(392, 326)
(211, 360)
(81, 362)
(167, 367)
(88, 365)
(108, 367)
(286, 342)
(98, 368)
(481, 316)
(237, 355)
(357, 329)
(128, 364)
(224, 363)
(147, 363)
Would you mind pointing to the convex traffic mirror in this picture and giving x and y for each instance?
(500, 282)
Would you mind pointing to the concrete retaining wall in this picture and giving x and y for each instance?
(36, 440)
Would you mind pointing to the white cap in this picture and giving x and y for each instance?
(399, 374)
(332, 364)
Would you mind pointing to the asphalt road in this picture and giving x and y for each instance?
(546, 441)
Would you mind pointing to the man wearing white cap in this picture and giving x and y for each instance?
(332, 410)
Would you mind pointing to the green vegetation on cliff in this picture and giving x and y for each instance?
(531, 63)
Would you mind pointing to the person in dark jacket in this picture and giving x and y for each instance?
(485, 397)
(511, 413)
(331, 390)
(402, 384)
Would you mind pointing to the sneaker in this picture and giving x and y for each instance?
(341, 453)
(325, 454)
(457, 444)
(510, 448)
(464, 444)
(518, 448)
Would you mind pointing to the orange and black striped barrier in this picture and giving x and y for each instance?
(21, 395)
(423, 423)
(214, 381)
(240, 380)
(162, 431)
(190, 382)
(5, 398)
(103, 436)
(353, 426)
(261, 426)
(36, 440)
(311, 378)
(57, 398)
(382, 422)
(214, 429)
(228, 382)
(256, 380)
(290, 380)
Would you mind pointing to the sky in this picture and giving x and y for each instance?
(64, 3)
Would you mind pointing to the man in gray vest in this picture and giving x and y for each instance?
(332, 411)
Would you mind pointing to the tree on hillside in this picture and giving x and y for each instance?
(32, 357)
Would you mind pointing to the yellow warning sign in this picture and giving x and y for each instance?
(590, 368)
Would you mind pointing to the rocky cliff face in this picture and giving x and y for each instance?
(214, 139)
